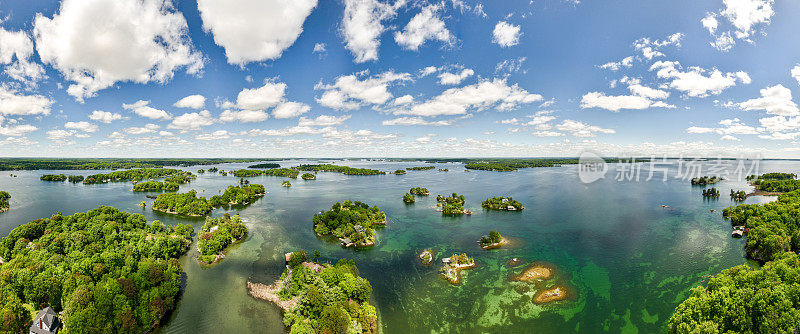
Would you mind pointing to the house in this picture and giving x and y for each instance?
(46, 322)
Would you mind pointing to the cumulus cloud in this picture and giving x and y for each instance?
(16, 49)
(148, 128)
(447, 78)
(506, 34)
(626, 62)
(319, 48)
(13, 102)
(696, 81)
(16, 130)
(267, 96)
(322, 120)
(796, 73)
(362, 26)
(104, 116)
(244, 116)
(412, 121)
(614, 102)
(743, 16)
(290, 110)
(486, 94)
(142, 108)
(142, 41)
(192, 121)
(424, 26)
(580, 129)
(775, 100)
(727, 127)
(82, 126)
(355, 90)
(650, 47)
(254, 30)
(191, 101)
(216, 135)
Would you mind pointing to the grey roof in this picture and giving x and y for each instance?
(49, 318)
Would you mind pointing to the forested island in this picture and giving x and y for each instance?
(502, 203)
(711, 192)
(187, 204)
(408, 198)
(108, 271)
(75, 178)
(492, 240)
(180, 179)
(452, 205)
(53, 177)
(216, 235)
(133, 175)
(756, 300)
(346, 170)
(705, 180)
(421, 168)
(238, 195)
(399, 172)
(774, 183)
(321, 298)
(155, 186)
(508, 165)
(283, 172)
(419, 191)
(5, 197)
(308, 176)
(738, 195)
(265, 166)
(286, 183)
(105, 163)
(351, 222)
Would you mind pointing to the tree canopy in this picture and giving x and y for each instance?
(347, 170)
(217, 234)
(352, 220)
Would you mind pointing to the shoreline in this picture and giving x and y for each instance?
(496, 245)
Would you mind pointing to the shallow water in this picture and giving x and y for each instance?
(626, 260)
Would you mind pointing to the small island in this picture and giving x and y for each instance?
(451, 271)
(282, 172)
(4, 201)
(426, 257)
(187, 204)
(308, 176)
(321, 298)
(536, 271)
(421, 168)
(180, 179)
(265, 166)
(553, 294)
(738, 196)
(704, 180)
(75, 178)
(238, 195)
(492, 240)
(155, 186)
(444, 170)
(346, 170)
(201, 171)
(408, 198)
(452, 205)
(350, 222)
(419, 191)
(133, 175)
(216, 235)
(286, 183)
(399, 172)
(502, 203)
(213, 170)
(711, 192)
(53, 177)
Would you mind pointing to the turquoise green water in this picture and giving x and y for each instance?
(627, 261)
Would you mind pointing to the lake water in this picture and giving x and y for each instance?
(626, 260)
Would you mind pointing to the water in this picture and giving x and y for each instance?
(627, 260)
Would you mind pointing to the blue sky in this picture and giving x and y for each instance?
(307, 78)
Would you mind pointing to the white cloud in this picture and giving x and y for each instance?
(191, 101)
(743, 16)
(729, 138)
(192, 121)
(635, 86)
(510, 65)
(615, 103)
(424, 26)
(141, 41)
(142, 108)
(354, 90)
(244, 116)
(322, 120)
(319, 48)
(82, 126)
(104, 116)
(405, 99)
(290, 110)
(580, 129)
(414, 121)
(506, 34)
(626, 62)
(148, 128)
(427, 71)
(796, 73)
(649, 47)
(166, 134)
(728, 127)
(16, 49)
(216, 135)
(480, 96)
(696, 81)
(362, 26)
(775, 100)
(16, 130)
(59, 134)
(447, 78)
(267, 96)
(15, 103)
(254, 30)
